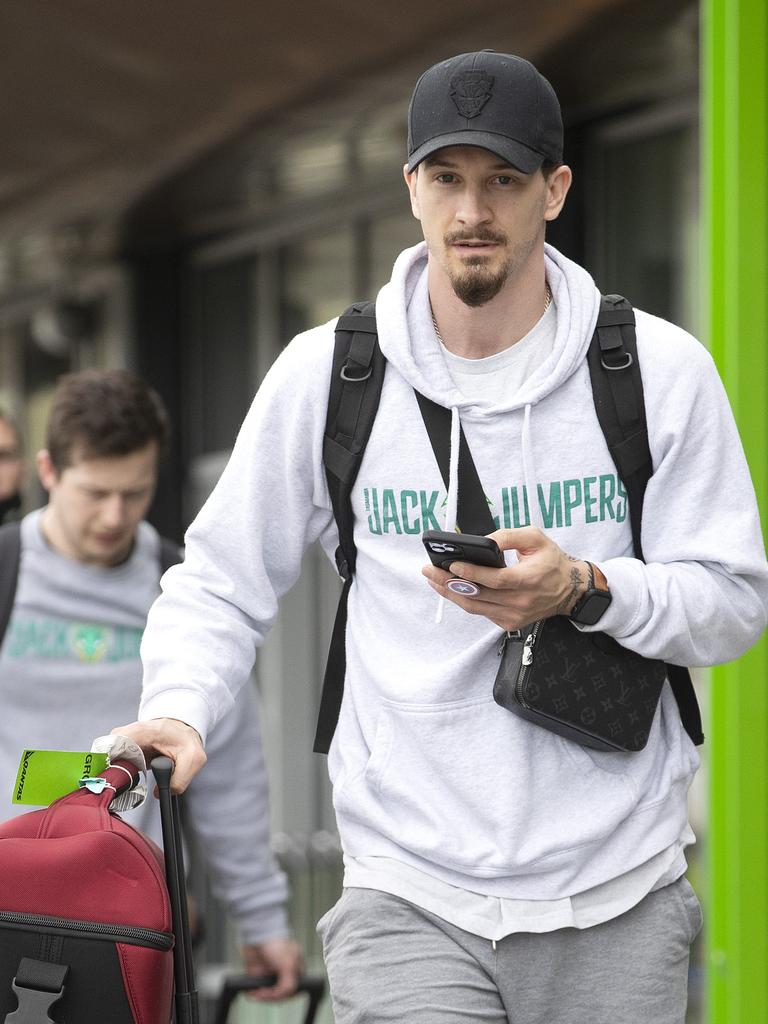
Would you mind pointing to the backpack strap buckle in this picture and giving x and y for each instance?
(342, 564)
(37, 985)
(346, 375)
(628, 360)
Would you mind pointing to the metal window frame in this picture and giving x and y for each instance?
(678, 113)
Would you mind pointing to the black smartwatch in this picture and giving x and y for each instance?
(592, 605)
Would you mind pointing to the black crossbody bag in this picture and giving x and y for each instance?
(585, 687)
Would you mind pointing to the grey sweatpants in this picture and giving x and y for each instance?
(389, 961)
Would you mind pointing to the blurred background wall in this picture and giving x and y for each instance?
(184, 186)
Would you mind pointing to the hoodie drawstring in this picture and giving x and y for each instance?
(529, 476)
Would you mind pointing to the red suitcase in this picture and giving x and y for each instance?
(86, 923)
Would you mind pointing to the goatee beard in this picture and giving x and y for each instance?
(477, 286)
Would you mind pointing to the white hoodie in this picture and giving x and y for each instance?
(427, 769)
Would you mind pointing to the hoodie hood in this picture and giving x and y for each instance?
(407, 337)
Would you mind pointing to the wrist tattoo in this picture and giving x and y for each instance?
(576, 582)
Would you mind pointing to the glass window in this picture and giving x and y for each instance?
(220, 353)
(318, 280)
(644, 220)
(381, 140)
(311, 165)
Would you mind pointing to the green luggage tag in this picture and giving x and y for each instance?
(45, 775)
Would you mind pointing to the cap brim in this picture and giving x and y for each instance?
(515, 153)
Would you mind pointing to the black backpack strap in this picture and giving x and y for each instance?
(682, 687)
(472, 512)
(617, 390)
(357, 376)
(10, 558)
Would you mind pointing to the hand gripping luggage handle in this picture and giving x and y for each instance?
(314, 987)
(186, 1002)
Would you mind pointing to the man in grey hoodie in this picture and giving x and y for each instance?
(89, 571)
(494, 871)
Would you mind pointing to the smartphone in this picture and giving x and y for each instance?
(445, 548)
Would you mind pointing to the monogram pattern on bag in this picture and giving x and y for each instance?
(599, 693)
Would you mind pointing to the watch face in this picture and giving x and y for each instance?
(592, 607)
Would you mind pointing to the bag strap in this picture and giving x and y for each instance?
(472, 512)
(617, 390)
(10, 558)
(357, 376)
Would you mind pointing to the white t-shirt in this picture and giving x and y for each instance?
(496, 378)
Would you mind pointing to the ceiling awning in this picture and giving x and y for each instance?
(101, 99)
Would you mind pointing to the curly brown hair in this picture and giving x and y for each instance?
(98, 413)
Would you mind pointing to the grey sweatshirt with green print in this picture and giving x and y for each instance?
(70, 671)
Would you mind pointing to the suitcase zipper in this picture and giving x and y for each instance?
(88, 929)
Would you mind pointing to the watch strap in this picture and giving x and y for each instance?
(589, 594)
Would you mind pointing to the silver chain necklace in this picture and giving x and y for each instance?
(547, 302)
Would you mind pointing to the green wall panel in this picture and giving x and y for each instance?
(735, 205)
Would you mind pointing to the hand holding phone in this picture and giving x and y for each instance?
(444, 549)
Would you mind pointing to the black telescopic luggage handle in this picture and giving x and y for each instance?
(314, 987)
(185, 1000)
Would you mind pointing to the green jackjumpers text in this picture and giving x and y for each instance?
(591, 499)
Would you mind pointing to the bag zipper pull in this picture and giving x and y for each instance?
(528, 649)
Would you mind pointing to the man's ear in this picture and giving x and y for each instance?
(410, 181)
(46, 470)
(558, 184)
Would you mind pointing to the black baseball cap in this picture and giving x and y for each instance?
(493, 100)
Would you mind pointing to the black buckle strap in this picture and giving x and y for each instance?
(615, 317)
(358, 365)
(623, 363)
(620, 408)
(356, 381)
(614, 314)
(359, 322)
(333, 681)
(38, 985)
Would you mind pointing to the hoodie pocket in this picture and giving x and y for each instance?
(470, 787)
